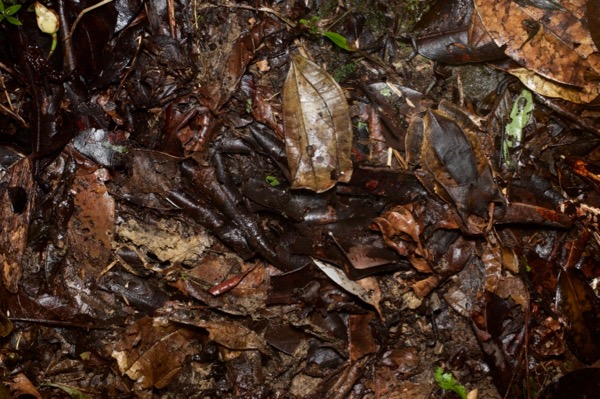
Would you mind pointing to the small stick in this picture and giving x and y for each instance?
(82, 13)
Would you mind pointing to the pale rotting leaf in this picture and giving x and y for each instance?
(550, 88)
(577, 303)
(318, 130)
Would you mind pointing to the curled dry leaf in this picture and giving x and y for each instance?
(318, 131)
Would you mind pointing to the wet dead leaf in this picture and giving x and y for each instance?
(366, 289)
(152, 352)
(360, 337)
(555, 43)
(318, 131)
(549, 88)
(454, 165)
(21, 386)
(578, 304)
(231, 335)
(592, 13)
(92, 228)
(13, 237)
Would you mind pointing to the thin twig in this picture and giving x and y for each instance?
(244, 7)
(82, 13)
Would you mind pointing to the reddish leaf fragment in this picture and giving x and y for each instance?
(360, 337)
(230, 283)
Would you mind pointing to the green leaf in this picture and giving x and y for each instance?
(273, 181)
(447, 382)
(1, 17)
(337, 39)
(1, 8)
(520, 116)
(12, 9)
(72, 392)
(13, 20)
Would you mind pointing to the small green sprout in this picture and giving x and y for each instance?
(447, 382)
(74, 393)
(249, 104)
(9, 12)
(272, 180)
(47, 20)
(336, 38)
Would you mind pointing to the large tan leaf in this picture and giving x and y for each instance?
(549, 88)
(554, 42)
(318, 131)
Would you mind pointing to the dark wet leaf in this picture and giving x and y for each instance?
(318, 133)
(578, 304)
(284, 337)
(450, 32)
(592, 13)
(90, 39)
(6, 325)
(501, 333)
(126, 11)
(454, 165)
(584, 383)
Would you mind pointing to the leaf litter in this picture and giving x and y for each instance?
(211, 200)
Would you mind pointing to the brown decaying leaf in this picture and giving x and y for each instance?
(152, 351)
(361, 341)
(553, 43)
(231, 335)
(592, 13)
(92, 228)
(13, 237)
(21, 386)
(318, 130)
(549, 88)
(578, 304)
(454, 165)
